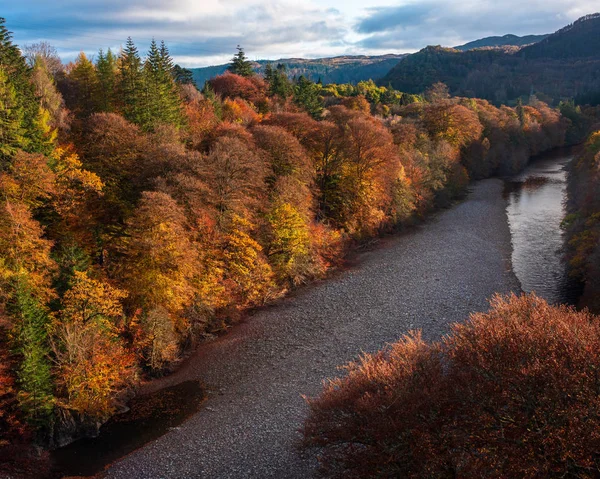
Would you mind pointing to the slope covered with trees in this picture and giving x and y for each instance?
(344, 69)
(582, 224)
(565, 65)
(140, 216)
(503, 41)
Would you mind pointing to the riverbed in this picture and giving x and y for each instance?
(256, 376)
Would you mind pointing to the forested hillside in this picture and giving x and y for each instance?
(503, 41)
(140, 216)
(345, 69)
(582, 223)
(562, 66)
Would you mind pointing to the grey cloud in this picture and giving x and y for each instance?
(389, 18)
(438, 22)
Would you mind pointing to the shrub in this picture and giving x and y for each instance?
(509, 393)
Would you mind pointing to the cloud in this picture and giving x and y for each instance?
(413, 25)
(203, 32)
(208, 30)
(391, 18)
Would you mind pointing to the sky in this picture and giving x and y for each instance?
(206, 32)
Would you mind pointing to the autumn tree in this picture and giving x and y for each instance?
(94, 365)
(235, 176)
(474, 405)
(246, 266)
(84, 83)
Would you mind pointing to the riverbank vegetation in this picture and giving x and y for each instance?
(582, 223)
(140, 216)
(509, 393)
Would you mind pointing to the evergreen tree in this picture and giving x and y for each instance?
(34, 375)
(17, 90)
(278, 81)
(131, 85)
(11, 121)
(240, 65)
(163, 102)
(183, 76)
(106, 68)
(306, 95)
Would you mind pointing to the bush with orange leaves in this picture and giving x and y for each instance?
(510, 393)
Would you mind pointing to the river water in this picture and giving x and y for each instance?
(536, 207)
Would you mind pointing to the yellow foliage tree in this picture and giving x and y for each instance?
(93, 364)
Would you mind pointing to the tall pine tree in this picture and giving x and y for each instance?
(163, 102)
(132, 89)
(34, 374)
(106, 69)
(19, 108)
(240, 64)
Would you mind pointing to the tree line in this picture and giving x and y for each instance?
(140, 215)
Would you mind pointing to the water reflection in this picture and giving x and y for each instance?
(536, 207)
(149, 417)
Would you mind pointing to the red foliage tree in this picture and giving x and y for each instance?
(510, 393)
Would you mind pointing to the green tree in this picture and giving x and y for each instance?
(163, 102)
(131, 85)
(279, 84)
(240, 65)
(11, 120)
(306, 95)
(18, 100)
(183, 76)
(106, 68)
(34, 374)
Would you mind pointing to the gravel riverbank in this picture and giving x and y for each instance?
(256, 375)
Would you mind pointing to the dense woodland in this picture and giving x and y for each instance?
(140, 216)
(564, 65)
(344, 69)
(582, 224)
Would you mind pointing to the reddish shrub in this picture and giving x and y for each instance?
(229, 85)
(510, 393)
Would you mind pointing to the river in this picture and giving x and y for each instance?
(255, 376)
(536, 201)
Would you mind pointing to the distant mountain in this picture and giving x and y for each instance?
(566, 64)
(506, 40)
(343, 69)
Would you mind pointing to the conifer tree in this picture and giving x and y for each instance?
(11, 120)
(106, 68)
(183, 76)
(34, 375)
(306, 95)
(240, 64)
(163, 102)
(131, 85)
(18, 91)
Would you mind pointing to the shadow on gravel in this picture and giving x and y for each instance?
(149, 417)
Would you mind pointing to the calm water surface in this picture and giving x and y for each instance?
(536, 207)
